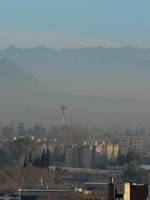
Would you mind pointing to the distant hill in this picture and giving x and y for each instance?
(118, 79)
(12, 74)
(92, 71)
(22, 96)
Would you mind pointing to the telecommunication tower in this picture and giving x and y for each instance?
(63, 111)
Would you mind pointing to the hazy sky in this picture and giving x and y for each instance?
(74, 23)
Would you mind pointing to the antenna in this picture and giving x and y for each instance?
(63, 111)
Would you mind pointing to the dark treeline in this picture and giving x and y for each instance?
(66, 135)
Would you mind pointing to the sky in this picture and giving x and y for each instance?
(74, 24)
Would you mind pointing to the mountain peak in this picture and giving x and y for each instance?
(12, 48)
(12, 74)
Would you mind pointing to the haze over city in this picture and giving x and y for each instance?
(74, 99)
(93, 56)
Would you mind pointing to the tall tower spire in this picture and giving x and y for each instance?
(63, 111)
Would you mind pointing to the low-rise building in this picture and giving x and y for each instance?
(36, 194)
(127, 191)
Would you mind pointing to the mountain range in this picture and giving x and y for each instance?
(112, 72)
(100, 86)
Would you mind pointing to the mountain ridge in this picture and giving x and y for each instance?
(119, 80)
(87, 70)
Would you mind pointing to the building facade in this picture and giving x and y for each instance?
(88, 155)
(79, 156)
(132, 142)
(127, 191)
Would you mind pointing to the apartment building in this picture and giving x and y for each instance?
(79, 156)
(86, 155)
(132, 142)
(116, 148)
(69, 155)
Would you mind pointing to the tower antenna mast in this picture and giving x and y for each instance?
(63, 111)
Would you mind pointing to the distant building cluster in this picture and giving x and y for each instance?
(86, 155)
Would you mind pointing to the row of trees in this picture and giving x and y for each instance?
(42, 161)
(67, 135)
(16, 150)
(133, 171)
(23, 150)
(8, 132)
(131, 158)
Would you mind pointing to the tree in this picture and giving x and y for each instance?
(43, 160)
(39, 131)
(30, 157)
(14, 177)
(136, 174)
(25, 162)
(8, 132)
(48, 158)
(133, 158)
(121, 159)
(37, 162)
(22, 146)
(133, 172)
(5, 156)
